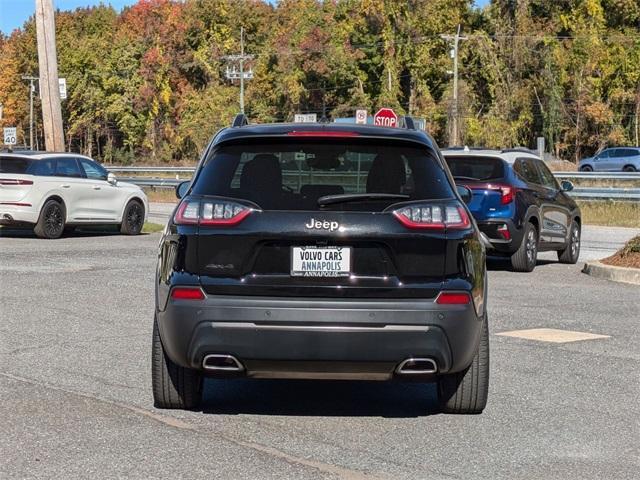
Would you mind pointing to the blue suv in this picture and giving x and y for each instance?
(518, 204)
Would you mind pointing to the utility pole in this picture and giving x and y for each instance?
(31, 79)
(233, 74)
(49, 86)
(453, 139)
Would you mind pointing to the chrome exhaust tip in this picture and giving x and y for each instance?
(220, 362)
(416, 366)
(7, 217)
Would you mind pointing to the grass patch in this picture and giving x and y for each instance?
(152, 227)
(611, 214)
(161, 195)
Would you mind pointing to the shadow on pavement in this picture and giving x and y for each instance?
(501, 264)
(324, 398)
(12, 232)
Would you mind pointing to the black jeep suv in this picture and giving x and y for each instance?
(321, 251)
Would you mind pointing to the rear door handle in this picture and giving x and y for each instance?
(97, 187)
(66, 186)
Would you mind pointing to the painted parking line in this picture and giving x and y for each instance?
(552, 335)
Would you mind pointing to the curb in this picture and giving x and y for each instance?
(615, 274)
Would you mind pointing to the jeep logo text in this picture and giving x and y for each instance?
(325, 225)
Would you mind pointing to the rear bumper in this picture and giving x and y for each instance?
(319, 338)
(15, 214)
(497, 241)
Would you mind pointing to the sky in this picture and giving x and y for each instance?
(13, 13)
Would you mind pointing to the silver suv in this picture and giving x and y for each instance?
(619, 159)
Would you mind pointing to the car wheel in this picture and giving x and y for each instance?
(525, 258)
(572, 252)
(467, 391)
(51, 222)
(133, 218)
(586, 168)
(629, 168)
(173, 386)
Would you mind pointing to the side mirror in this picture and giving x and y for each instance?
(111, 178)
(465, 193)
(182, 188)
(566, 185)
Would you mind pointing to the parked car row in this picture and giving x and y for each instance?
(57, 192)
(319, 251)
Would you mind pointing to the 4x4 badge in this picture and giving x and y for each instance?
(325, 225)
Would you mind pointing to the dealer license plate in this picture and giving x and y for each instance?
(320, 261)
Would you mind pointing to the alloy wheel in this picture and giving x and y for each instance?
(575, 241)
(53, 221)
(134, 217)
(531, 246)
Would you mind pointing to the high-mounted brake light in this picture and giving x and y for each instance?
(15, 181)
(453, 298)
(187, 293)
(433, 216)
(211, 212)
(322, 133)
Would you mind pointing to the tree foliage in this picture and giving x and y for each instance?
(148, 82)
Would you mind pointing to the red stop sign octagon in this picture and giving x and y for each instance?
(385, 117)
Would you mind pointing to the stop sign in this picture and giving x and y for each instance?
(385, 117)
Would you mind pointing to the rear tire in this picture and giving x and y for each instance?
(466, 392)
(629, 168)
(51, 221)
(525, 258)
(132, 218)
(173, 386)
(586, 168)
(572, 252)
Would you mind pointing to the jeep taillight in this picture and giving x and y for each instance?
(211, 212)
(433, 216)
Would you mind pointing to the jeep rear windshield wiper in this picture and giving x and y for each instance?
(359, 197)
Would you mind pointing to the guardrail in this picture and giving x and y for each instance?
(584, 193)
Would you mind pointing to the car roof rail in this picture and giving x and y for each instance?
(240, 120)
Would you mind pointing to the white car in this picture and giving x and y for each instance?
(55, 192)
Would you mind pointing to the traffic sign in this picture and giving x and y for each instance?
(385, 117)
(361, 117)
(10, 136)
(62, 84)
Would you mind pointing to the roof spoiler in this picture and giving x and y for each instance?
(240, 120)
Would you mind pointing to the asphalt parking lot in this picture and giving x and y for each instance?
(75, 337)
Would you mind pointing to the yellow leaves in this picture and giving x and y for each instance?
(598, 112)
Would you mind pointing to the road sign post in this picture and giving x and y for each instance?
(10, 136)
(385, 117)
